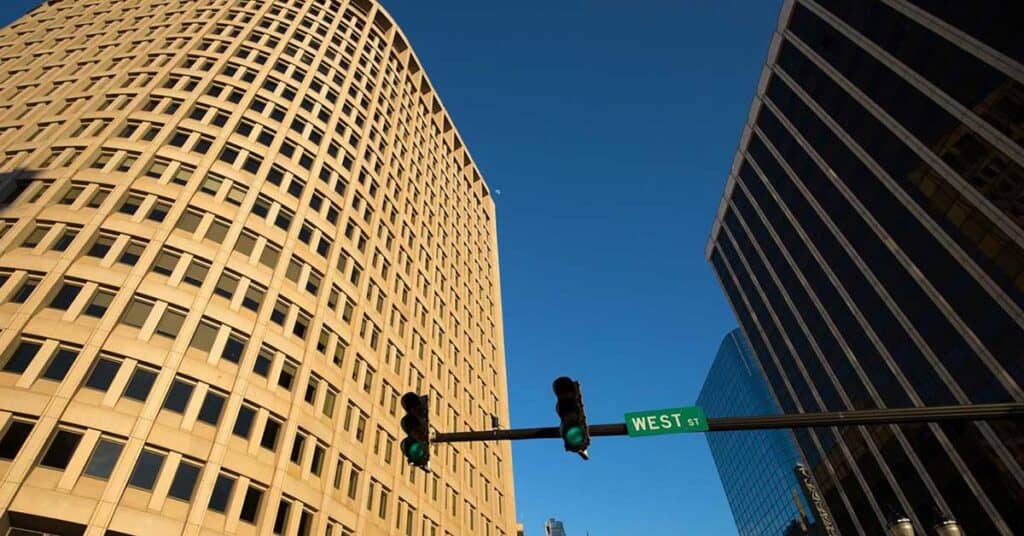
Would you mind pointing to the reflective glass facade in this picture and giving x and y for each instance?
(871, 242)
(756, 467)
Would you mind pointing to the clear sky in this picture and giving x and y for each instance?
(609, 129)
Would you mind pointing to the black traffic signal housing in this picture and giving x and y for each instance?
(416, 425)
(573, 426)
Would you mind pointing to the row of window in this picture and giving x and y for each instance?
(138, 380)
(244, 499)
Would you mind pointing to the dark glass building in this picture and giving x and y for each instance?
(756, 467)
(871, 242)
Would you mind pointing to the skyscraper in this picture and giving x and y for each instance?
(756, 467)
(553, 527)
(235, 231)
(871, 242)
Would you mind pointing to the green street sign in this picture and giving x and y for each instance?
(666, 421)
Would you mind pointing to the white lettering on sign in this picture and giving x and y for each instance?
(652, 423)
(639, 423)
(665, 422)
(677, 416)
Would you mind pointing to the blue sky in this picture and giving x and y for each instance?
(609, 128)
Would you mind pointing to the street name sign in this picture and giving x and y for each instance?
(666, 421)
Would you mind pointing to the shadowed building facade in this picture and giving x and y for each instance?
(756, 467)
(232, 233)
(871, 242)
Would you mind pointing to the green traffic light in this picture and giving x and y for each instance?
(416, 451)
(574, 436)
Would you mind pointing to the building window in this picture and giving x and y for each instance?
(147, 468)
(251, 504)
(65, 296)
(184, 482)
(281, 519)
(140, 384)
(14, 437)
(60, 364)
(99, 303)
(61, 449)
(103, 373)
(211, 409)
(22, 356)
(103, 459)
(26, 289)
(243, 424)
(178, 396)
(270, 432)
(137, 312)
(221, 494)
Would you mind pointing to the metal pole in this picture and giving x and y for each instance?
(976, 412)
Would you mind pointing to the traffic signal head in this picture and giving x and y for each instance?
(573, 426)
(416, 425)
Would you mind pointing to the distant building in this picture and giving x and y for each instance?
(553, 527)
(520, 531)
(756, 467)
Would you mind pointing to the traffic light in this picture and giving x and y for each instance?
(573, 427)
(416, 425)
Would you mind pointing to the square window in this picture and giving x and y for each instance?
(25, 291)
(190, 220)
(159, 211)
(196, 273)
(137, 312)
(243, 424)
(140, 384)
(99, 304)
(184, 482)
(234, 348)
(60, 364)
(270, 433)
(226, 285)
(211, 409)
(101, 246)
(165, 262)
(251, 505)
(131, 204)
(131, 253)
(21, 357)
(221, 494)
(65, 296)
(170, 324)
(61, 449)
(147, 468)
(218, 231)
(65, 240)
(178, 396)
(263, 362)
(287, 376)
(13, 438)
(253, 298)
(103, 373)
(103, 459)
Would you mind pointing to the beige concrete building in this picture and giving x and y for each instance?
(232, 233)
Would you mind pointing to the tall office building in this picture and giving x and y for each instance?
(553, 527)
(871, 242)
(237, 231)
(756, 467)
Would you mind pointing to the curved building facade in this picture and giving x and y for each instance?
(232, 233)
